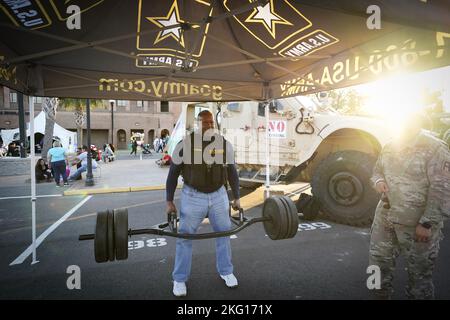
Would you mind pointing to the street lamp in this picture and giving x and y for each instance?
(112, 121)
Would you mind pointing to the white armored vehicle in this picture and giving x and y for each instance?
(308, 142)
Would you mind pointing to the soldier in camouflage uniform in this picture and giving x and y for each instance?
(413, 172)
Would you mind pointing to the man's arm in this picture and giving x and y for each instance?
(172, 177)
(232, 175)
(233, 179)
(438, 172)
(172, 180)
(377, 174)
(377, 179)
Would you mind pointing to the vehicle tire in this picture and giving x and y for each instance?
(341, 183)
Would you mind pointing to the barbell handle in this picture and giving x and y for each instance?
(209, 235)
(162, 232)
(86, 237)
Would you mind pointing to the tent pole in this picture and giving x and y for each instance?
(267, 190)
(22, 129)
(33, 179)
(89, 177)
(112, 121)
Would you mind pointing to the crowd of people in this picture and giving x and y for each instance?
(12, 150)
(58, 164)
(160, 145)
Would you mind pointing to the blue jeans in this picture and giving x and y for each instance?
(78, 173)
(59, 170)
(194, 208)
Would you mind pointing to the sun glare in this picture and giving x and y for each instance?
(394, 99)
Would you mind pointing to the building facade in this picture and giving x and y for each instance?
(108, 125)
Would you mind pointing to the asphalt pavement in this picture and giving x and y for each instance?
(324, 261)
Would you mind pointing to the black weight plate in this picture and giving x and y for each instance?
(303, 201)
(274, 210)
(111, 247)
(287, 227)
(121, 233)
(308, 205)
(101, 237)
(289, 218)
(293, 213)
(271, 226)
(312, 209)
(283, 217)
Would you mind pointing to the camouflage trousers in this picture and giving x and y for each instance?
(388, 241)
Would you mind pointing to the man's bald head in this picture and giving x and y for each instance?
(206, 119)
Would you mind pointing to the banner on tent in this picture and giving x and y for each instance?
(405, 51)
(168, 46)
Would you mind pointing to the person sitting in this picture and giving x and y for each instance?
(42, 171)
(13, 150)
(82, 158)
(165, 160)
(3, 151)
(78, 164)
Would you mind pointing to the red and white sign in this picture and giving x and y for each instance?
(277, 129)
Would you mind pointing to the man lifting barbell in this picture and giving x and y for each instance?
(203, 195)
(206, 162)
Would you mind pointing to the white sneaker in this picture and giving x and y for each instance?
(230, 280)
(179, 289)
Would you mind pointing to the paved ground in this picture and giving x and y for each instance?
(324, 260)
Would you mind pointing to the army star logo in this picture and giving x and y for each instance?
(172, 18)
(267, 16)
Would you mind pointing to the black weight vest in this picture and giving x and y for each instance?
(205, 177)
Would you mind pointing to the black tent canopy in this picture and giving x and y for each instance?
(214, 50)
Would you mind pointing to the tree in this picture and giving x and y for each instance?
(79, 107)
(49, 106)
(347, 101)
(434, 107)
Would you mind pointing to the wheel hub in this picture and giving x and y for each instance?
(345, 188)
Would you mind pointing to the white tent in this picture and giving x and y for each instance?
(68, 138)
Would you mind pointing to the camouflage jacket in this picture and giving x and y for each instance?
(418, 178)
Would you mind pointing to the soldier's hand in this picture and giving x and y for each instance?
(422, 234)
(171, 207)
(381, 187)
(236, 204)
